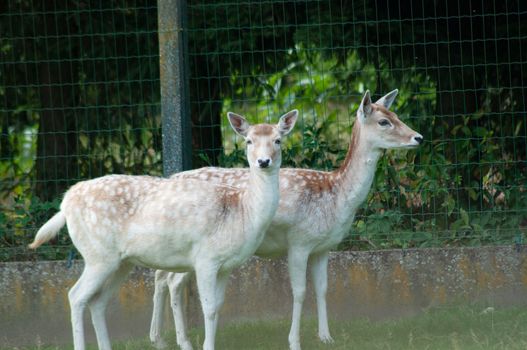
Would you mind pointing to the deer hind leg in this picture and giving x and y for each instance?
(160, 297)
(100, 301)
(297, 264)
(319, 273)
(89, 284)
(177, 283)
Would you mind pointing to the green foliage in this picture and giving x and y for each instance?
(19, 223)
(80, 85)
(448, 192)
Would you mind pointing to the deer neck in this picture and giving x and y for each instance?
(261, 197)
(356, 174)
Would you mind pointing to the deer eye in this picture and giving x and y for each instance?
(277, 141)
(384, 122)
(249, 142)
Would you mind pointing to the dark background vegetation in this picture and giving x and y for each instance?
(79, 92)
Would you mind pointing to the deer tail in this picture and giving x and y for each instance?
(49, 230)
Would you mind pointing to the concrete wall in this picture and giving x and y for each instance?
(378, 285)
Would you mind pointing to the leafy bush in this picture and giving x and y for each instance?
(465, 186)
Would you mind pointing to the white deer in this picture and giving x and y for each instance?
(175, 224)
(316, 210)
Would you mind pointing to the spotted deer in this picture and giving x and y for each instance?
(177, 224)
(316, 210)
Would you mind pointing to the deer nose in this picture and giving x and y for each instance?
(418, 139)
(264, 163)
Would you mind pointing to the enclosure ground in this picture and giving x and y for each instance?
(460, 327)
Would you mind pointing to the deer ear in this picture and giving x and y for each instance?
(365, 108)
(238, 123)
(287, 122)
(387, 99)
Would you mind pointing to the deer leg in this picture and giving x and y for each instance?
(100, 301)
(319, 273)
(297, 264)
(160, 296)
(90, 283)
(223, 278)
(177, 284)
(206, 278)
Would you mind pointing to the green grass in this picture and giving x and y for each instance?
(442, 328)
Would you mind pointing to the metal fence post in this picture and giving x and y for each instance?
(173, 70)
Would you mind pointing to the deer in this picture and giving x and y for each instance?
(316, 210)
(176, 224)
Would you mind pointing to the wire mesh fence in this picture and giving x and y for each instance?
(80, 91)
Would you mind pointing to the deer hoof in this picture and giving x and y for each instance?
(326, 338)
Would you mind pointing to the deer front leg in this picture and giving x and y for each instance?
(319, 273)
(160, 297)
(177, 283)
(297, 264)
(206, 278)
(223, 278)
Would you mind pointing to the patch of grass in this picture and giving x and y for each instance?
(461, 327)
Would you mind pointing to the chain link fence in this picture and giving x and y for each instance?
(80, 92)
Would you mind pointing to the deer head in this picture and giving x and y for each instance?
(263, 140)
(382, 127)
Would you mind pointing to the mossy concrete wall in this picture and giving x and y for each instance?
(378, 285)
